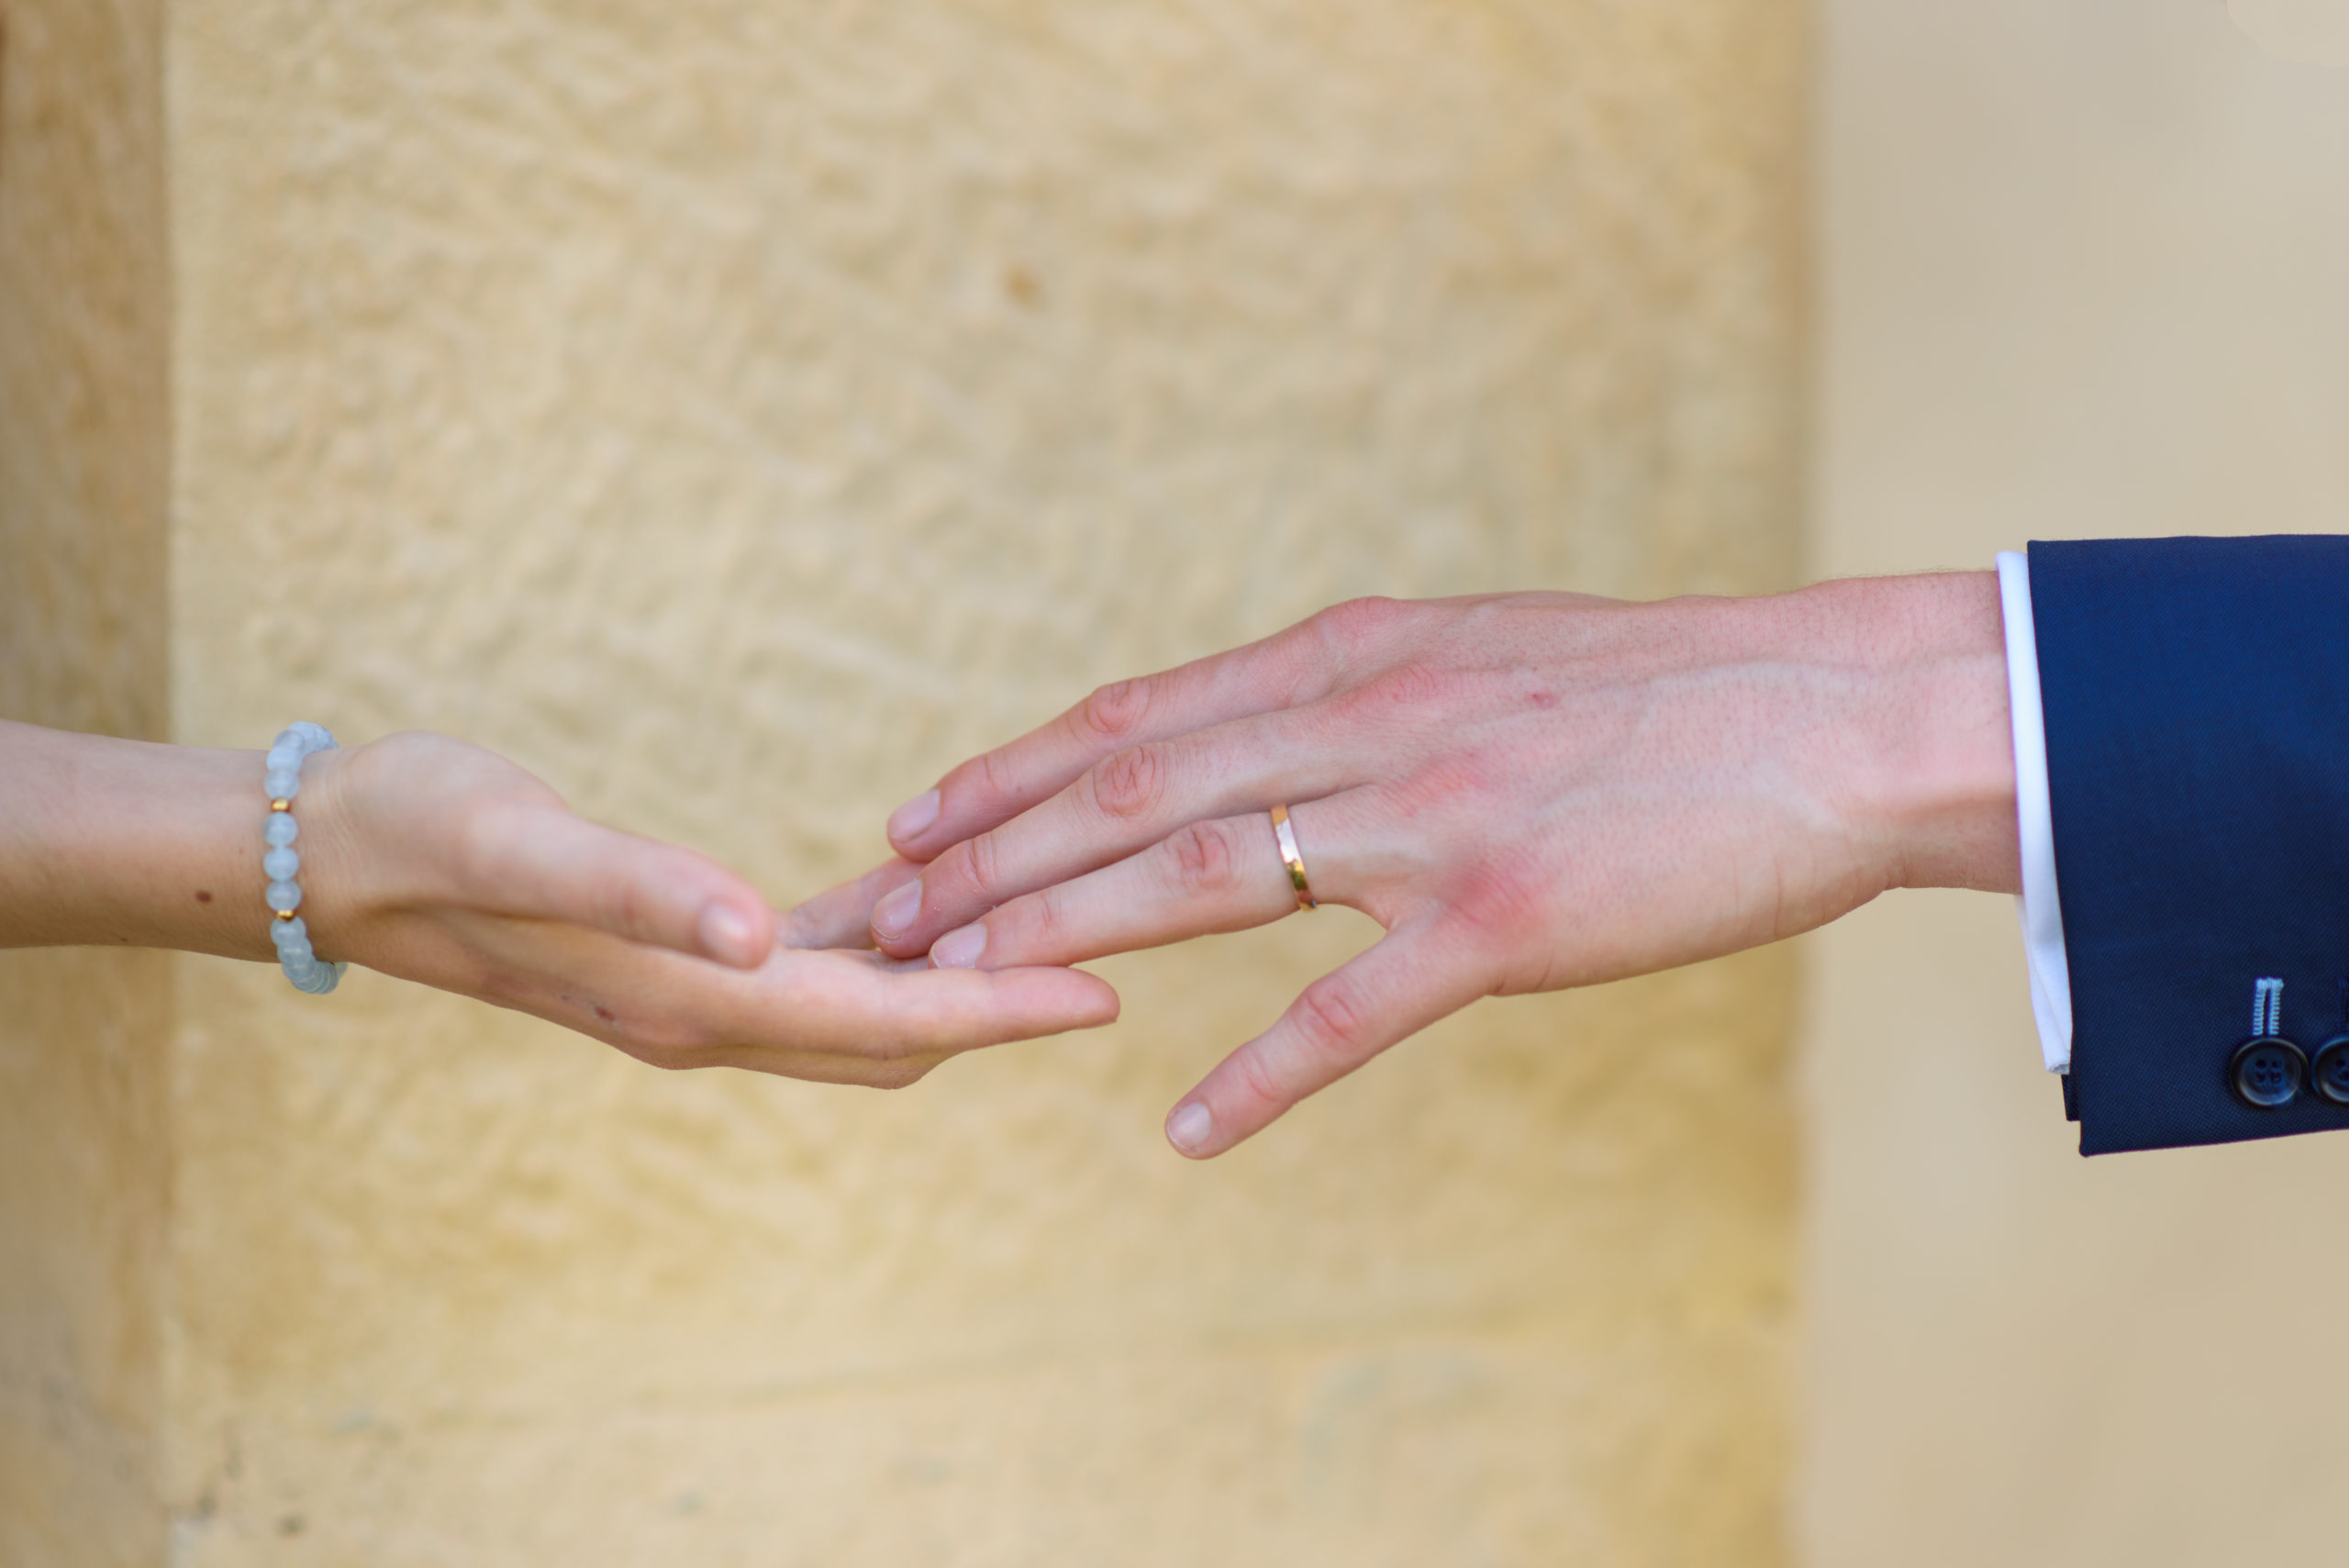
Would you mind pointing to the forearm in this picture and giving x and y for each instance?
(431, 860)
(125, 843)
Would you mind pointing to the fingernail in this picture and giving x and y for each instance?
(959, 948)
(913, 819)
(896, 912)
(726, 935)
(1189, 1128)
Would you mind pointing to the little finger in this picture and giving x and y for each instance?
(841, 917)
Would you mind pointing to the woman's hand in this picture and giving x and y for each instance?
(1527, 792)
(435, 860)
(441, 862)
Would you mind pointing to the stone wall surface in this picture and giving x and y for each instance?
(739, 412)
(82, 453)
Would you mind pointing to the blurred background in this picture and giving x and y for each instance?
(2084, 270)
(739, 410)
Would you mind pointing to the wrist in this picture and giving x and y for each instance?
(1930, 786)
(339, 877)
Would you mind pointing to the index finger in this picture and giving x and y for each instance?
(1288, 668)
(841, 917)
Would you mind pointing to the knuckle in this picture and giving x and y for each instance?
(1330, 1018)
(994, 771)
(1131, 783)
(1349, 624)
(1414, 687)
(1205, 860)
(1036, 921)
(630, 908)
(977, 864)
(1416, 684)
(981, 784)
(1257, 1080)
(1116, 711)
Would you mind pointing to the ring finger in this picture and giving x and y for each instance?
(1118, 808)
(1223, 874)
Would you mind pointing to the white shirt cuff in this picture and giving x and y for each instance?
(2041, 909)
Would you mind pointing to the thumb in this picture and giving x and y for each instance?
(548, 864)
(1387, 993)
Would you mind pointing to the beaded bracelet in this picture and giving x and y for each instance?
(302, 967)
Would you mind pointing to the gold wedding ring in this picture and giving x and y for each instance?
(1291, 859)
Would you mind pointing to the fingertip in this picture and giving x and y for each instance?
(841, 917)
(893, 916)
(915, 818)
(736, 936)
(961, 948)
(1109, 1005)
(1082, 1001)
(1191, 1129)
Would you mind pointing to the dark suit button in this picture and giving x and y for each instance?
(2267, 1072)
(2330, 1072)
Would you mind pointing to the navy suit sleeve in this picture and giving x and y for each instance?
(2196, 701)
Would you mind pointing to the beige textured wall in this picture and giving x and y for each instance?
(2083, 275)
(82, 447)
(740, 411)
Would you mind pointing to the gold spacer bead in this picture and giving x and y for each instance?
(280, 806)
(285, 914)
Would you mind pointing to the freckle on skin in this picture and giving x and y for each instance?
(598, 1008)
(201, 896)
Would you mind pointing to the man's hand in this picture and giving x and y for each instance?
(1528, 792)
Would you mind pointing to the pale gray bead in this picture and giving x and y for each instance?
(281, 863)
